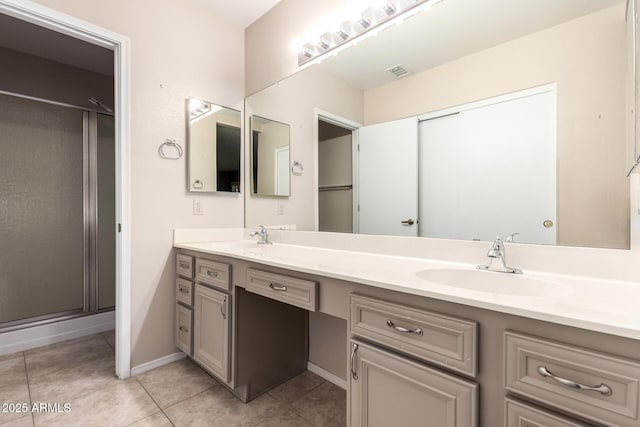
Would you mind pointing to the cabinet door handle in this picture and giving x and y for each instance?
(212, 273)
(416, 331)
(224, 302)
(603, 389)
(354, 374)
(407, 222)
(184, 290)
(280, 288)
(184, 264)
(183, 329)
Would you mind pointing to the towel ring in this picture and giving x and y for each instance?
(296, 168)
(173, 144)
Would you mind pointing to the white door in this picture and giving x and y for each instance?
(282, 171)
(491, 170)
(387, 182)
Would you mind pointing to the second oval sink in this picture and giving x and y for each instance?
(495, 283)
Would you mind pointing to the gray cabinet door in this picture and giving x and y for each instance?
(389, 390)
(183, 329)
(211, 324)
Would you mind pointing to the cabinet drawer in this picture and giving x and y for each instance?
(184, 291)
(518, 414)
(443, 340)
(389, 390)
(183, 332)
(298, 292)
(550, 372)
(184, 265)
(213, 273)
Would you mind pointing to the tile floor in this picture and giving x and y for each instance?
(80, 372)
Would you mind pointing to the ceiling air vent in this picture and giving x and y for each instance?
(398, 71)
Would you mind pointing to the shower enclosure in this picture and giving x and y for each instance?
(57, 212)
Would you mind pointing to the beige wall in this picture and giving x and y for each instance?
(268, 56)
(315, 88)
(178, 49)
(587, 59)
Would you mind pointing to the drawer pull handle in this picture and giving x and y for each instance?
(212, 273)
(280, 288)
(354, 374)
(184, 290)
(224, 302)
(184, 264)
(416, 331)
(183, 329)
(603, 389)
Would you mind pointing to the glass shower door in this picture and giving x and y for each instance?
(41, 209)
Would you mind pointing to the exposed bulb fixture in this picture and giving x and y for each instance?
(389, 9)
(199, 109)
(342, 34)
(323, 44)
(364, 22)
(359, 17)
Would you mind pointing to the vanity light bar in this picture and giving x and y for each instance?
(370, 18)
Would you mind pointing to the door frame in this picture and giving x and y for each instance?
(325, 116)
(49, 18)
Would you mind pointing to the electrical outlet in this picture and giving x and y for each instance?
(197, 207)
(280, 208)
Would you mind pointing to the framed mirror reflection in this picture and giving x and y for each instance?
(270, 159)
(509, 117)
(213, 147)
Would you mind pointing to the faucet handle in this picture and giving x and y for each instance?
(511, 237)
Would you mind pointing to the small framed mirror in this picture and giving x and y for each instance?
(213, 148)
(270, 171)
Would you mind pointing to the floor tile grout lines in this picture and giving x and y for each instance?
(158, 405)
(105, 338)
(288, 405)
(26, 374)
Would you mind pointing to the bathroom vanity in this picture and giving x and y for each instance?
(416, 350)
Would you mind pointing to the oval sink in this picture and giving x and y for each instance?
(495, 283)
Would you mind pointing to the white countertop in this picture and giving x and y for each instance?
(602, 305)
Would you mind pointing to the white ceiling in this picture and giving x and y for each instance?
(241, 12)
(450, 30)
(39, 41)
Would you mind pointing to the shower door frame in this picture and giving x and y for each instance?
(45, 17)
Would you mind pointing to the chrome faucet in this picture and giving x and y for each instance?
(264, 236)
(498, 251)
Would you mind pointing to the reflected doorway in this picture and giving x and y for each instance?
(335, 177)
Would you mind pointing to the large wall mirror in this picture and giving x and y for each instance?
(269, 157)
(473, 119)
(213, 148)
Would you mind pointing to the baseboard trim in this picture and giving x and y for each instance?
(51, 333)
(164, 360)
(322, 373)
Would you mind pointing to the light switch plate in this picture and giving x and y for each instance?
(197, 207)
